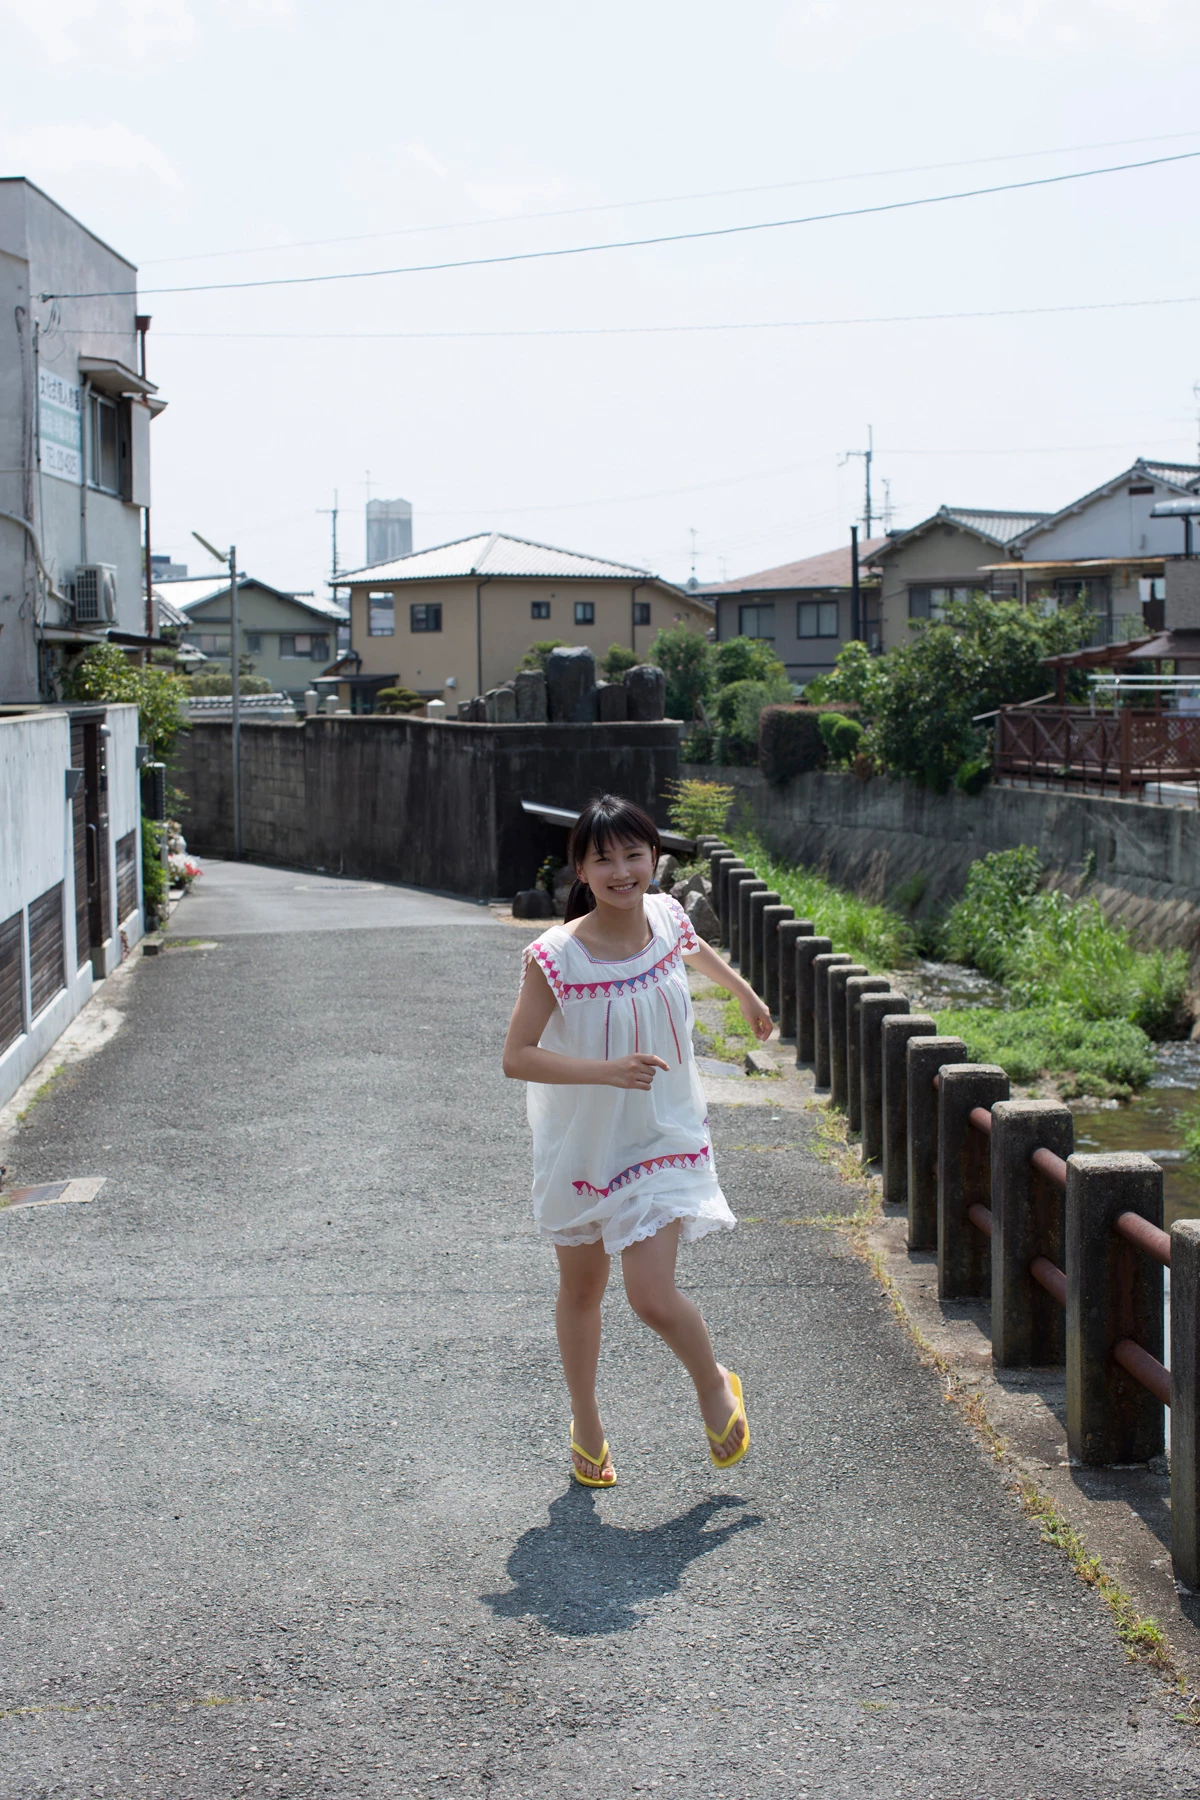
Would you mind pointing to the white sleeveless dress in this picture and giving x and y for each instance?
(618, 1164)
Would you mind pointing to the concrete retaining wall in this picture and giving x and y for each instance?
(891, 840)
(433, 803)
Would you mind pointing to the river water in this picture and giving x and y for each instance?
(1152, 1123)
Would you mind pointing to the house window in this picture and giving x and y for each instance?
(585, 612)
(816, 618)
(1096, 595)
(254, 643)
(539, 609)
(757, 621)
(104, 459)
(310, 646)
(210, 644)
(381, 615)
(930, 602)
(641, 612)
(425, 618)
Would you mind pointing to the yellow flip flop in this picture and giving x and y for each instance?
(718, 1437)
(597, 1462)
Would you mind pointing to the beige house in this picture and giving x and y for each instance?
(948, 556)
(456, 620)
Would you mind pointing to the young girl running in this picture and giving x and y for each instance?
(623, 1162)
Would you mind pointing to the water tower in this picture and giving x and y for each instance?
(389, 530)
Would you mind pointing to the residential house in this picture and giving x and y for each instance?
(288, 638)
(1105, 549)
(948, 556)
(75, 413)
(804, 609)
(456, 620)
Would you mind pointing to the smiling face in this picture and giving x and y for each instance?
(618, 874)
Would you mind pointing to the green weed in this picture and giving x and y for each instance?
(1108, 1058)
(878, 935)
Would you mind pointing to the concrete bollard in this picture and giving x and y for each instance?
(1028, 1325)
(821, 966)
(857, 988)
(835, 1028)
(924, 1056)
(789, 930)
(720, 890)
(873, 1009)
(964, 1178)
(808, 948)
(759, 903)
(1185, 1400)
(774, 918)
(744, 947)
(894, 1034)
(734, 880)
(1114, 1291)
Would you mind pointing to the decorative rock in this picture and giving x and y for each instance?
(665, 871)
(705, 922)
(571, 685)
(529, 686)
(695, 884)
(464, 709)
(532, 903)
(564, 881)
(478, 710)
(759, 1063)
(506, 706)
(646, 691)
(612, 702)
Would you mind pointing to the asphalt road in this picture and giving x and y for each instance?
(284, 1494)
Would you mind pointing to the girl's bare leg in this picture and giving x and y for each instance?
(582, 1279)
(649, 1270)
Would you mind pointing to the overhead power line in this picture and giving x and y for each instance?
(552, 331)
(574, 212)
(674, 237)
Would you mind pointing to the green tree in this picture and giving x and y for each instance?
(745, 659)
(105, 673)
(537, 655)
(617, 658)
(685, 658)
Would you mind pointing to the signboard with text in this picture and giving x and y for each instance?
(60, 426)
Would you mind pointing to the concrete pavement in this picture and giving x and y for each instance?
(285, 1507)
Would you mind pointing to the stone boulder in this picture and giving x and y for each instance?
(665, 871)
(532, 903)
(704, 920)
(646, 692)
(571, 685)
(501, 706)
(529, 686)
(564, 881)
(695, 884)
(477, 710)
(612, 702)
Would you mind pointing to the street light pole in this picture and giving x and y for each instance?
(230, 561)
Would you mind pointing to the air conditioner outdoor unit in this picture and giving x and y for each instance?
(95, 594)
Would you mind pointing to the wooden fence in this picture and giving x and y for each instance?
(1126, 749)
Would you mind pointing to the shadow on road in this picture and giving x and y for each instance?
(583, 1578)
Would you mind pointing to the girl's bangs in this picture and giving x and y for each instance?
(611, 819)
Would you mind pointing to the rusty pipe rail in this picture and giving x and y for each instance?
(1146, 1369)
(1140, 1232)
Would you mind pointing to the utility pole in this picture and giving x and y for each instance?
(332, 514)
(868, 456)
(855, 596)
(235, 692)
(693, 534)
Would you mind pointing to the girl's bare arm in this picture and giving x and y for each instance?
(717, 969)
(525, 1060)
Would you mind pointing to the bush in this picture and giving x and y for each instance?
(154, 876)
(699, 746)
(105, 673)
(213, 681)
(397, 700)
(698, 808)
(1108, 1058)
(789, 742)
(841, 736)
(972, 777)
(746, 659)
(739, 708)
(538, 655)
(685, 659)
(617, 658)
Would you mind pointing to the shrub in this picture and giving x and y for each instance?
(1108, 1058)
(789, 742)
(995, 904)
(746, 659)
(685, 659)
(537, 655)
(841, 736)
(973, 776)
(154, 876)
(739, 708)
(397, 700)
(698, 808)
(617, 658)
(213, 681)
(105, 673)
(699, 746)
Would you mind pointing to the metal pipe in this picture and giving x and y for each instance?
(980, 1119)
(1136, 1230)
(1052, 1167)
(1049, 1276)
(1144, 1368)
(981, 1216)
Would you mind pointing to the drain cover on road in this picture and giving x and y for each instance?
(339, 887)
(54, 1193)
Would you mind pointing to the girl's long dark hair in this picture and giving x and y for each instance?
(598, 824)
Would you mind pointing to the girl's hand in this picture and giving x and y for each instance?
(634, 1071)
(757, 1017)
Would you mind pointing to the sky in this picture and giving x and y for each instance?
(588, 401)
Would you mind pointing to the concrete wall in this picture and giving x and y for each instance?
(433, 804)
(880, 837)
(125, 815)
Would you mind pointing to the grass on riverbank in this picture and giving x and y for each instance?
(876, 934)
(1106, 1058)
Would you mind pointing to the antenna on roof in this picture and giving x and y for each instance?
(692, 531)
(868, 456)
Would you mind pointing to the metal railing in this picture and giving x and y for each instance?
(1068, 1248)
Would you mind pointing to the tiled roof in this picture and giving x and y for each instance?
(832, 568)
(494, 553)
(1001, 527)
(194, 590)
(1183, 475)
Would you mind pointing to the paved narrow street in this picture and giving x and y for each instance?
(285, 1497)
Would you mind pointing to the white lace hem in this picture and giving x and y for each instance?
(631, 1225)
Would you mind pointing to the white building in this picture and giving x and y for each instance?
(75, 413)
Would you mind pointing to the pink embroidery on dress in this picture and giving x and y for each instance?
(687, 931)
(607, 1016)
(633, 1003)
(677, 1159)
(674, 1033)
